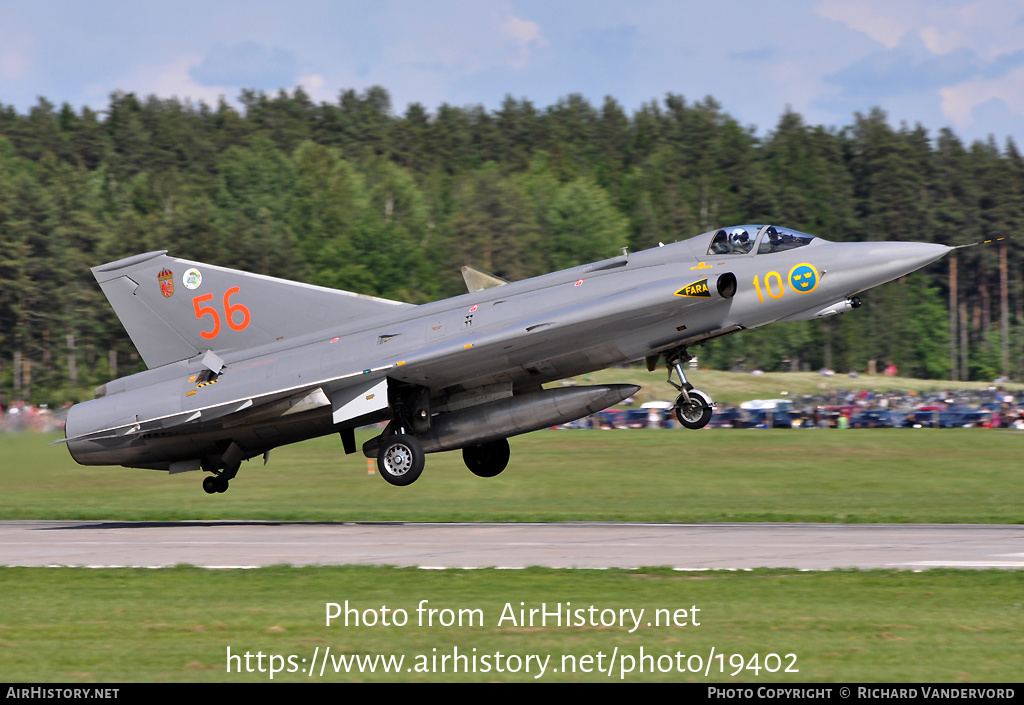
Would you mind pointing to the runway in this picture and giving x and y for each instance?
(251, 544)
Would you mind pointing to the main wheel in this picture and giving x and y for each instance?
(400, 460)
(697, 413)
(214, 484)
(487, 460)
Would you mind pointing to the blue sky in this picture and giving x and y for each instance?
(942, 63)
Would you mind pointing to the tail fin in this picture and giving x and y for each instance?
(174, 309)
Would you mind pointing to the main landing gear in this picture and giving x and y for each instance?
(693, 407)
(215, 484)
(400, 455)
(488, 459)
(400, 459)
(230, 461)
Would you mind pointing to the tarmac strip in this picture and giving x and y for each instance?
(740, 546)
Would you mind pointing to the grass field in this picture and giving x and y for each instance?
(869, 475)
(79, 625)
(176, 625)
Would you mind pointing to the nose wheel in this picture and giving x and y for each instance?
(693, 407)
(695, 411)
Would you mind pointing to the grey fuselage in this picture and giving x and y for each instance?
(461, 352)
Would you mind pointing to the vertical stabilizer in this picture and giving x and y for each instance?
(174, 309)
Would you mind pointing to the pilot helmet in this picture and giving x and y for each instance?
(740, 239)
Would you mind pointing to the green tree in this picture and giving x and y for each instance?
(328, 205)
(584, 226)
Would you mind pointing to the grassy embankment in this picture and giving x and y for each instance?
(80, 625)
(869, 475)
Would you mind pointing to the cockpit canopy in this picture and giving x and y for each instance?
(740, 239)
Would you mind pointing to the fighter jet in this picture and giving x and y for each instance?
(241, 363)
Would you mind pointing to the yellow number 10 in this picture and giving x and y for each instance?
(768, 286)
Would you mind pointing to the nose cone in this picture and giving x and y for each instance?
(863, 265)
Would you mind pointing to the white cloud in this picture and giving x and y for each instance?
(865, 17)
(15, 55)
(316, 88)
(174, 80)
(526, 37)
(989, 29)
(939, 42)
(170, 80)
(471, 38)
(524, 31)
(795, 84)
(964, 54)
(960, 101)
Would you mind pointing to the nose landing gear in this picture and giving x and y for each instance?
(693, 408)
(696, 411)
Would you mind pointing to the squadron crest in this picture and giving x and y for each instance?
(166, 279)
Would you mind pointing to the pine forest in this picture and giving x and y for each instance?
(355, 195)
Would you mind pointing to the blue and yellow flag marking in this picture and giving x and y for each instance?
(803, 278)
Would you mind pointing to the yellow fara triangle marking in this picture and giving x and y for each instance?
(696, 289)
(702, 265)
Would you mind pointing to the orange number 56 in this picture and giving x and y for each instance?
(230, 311)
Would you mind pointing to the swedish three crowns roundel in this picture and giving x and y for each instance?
(803, 278)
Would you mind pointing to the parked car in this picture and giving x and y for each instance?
(964, 418)
(728, 417)
(877, 418)
(610, 418)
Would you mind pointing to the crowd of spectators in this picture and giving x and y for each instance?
(990, 408)
(22, 416)
(994, 407)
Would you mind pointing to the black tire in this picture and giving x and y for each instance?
(210, 485)
(400, 460)
(697, 414)
(488, 459)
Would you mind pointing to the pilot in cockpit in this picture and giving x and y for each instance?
(720, 244)
(770, 241)
(737, 242)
